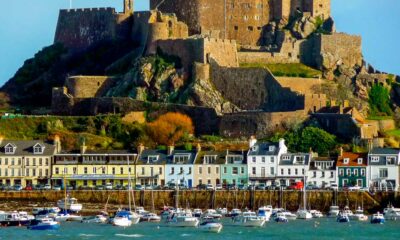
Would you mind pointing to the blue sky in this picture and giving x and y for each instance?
(26, 26)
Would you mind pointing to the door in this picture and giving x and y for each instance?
(360, 182)
(190, 183)
(263, 172)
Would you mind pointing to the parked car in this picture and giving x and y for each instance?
(139, 187)
(56, 188)
(171, 186)
(312, 187)
(17, 187)
(99, 187)
(209, 187)
(119, 187)
(333, 186)
(242, 187)
(70, 188)
(47, 187)
(201, 187)
(148, 187)
(28, 188)
(218, 187)
(296, 186)
(261, 186)
(232, 187)
(85, 188)
(183, 187)
(2, 187)
(354, 188)
(108, 186)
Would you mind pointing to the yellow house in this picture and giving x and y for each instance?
(25, 163)
(93, 168)
(207, 167)
(150, 167)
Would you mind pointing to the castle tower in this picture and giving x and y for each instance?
(128, 6)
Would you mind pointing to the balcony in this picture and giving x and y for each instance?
(65, 162)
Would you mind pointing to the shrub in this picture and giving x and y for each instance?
(379, 101)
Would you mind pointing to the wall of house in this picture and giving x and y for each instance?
(352, 178)
(229, 178)
(187, 178)
(144, 177)
(207, 177)
(320, 181)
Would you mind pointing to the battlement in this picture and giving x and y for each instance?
(87, 10)
(218, 40)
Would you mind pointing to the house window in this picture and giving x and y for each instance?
(33, 172)
(303, 171)
(74, 170)
(374, 159)
(348, 172)
(37, 149)
(359, 161)
(235, 170)
(217, 170)
(340, 172)
(332, 174)
(254, 159)
(391, 160)
(209, 159)
(9, 149)
(181, 158)
(94, 170)
(345, 182)
(47, 172)
(56, 170)
(152, 159)
(142, 170)
(190, 170)
(181, 170)
(271, 160)
(224, 170)
(209, 170)
(271, 148)
(322, 174)
(122, 170)
(272, 170)
(253, 171)
(200, 170)
(282, 172)
(314, 174)
(362, 172)
(346, 161)
(289, 172)
(85, 170)
(113, 171)
(160, 170)
(263, 159)
(242, 170)
(172, 170)
(355, 172)
(296, 171)
(286, 157)
(383, 173)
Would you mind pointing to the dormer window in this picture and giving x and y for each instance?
(374, 159)
(209, 159)
(10, 148)
(391, 160)
(285, 157)
(181, 158)
(234, 159)
(299, 160)
(360, 161)
(346, 161)
(38, 149)
(271, 148)
(152, 159)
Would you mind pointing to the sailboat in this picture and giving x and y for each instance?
(69, 206)
(125, 218)
(151, 216)
(304, 213)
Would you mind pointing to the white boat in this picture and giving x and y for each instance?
(316, 214)
(197, 212)
(210, 226)
(211, 213)
(44, 224)
(281, 218)
(249, 219)
(348, 211)
(289, 215)
(150, 217)
(359, 215)
(36, 211)
(182, 219)
(25, 215)
(141, 211)
(304, 214)
(96, 219)
(222, 211)
(64, 217)
(265, 212)
(333, 211)
(343, 218)
(235, 212)
(392, 213)
(121, 221)
(377, 218)
(70, 204)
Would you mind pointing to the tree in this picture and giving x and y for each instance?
(379, 100)
(170, 128)
(316, 139)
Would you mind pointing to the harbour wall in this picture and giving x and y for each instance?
(320, 200)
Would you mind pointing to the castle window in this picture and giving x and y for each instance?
(236, 28)
(259, 28)
(246, 17)
(259, 5)
(250, 28)
(257, 17)
(98, 84)
(290, 55)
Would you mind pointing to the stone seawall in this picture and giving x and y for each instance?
(95, 200)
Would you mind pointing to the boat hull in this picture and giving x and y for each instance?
(211, 227)
(121, 222)
(45, 227)
(377, 221)
(14, 223)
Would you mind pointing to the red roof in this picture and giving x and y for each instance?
(353, 159)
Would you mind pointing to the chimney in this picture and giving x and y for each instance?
(340, 151)
(140, 149)
(171, 149)
(57, 143)
(282, 146)
(346, 103)
(83, 147)
(252, 141)
(198, 147)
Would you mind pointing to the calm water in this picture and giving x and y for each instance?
(300, 229)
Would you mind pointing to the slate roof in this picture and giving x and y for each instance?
(25, 148)
(99, 152)
(162, 156)
(291, 160)
(262, 149)
(182, 152)
(322, 159)
(353, 159)
(220, 157)
(382, 153)
(236, 153)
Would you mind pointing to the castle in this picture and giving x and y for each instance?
(212, 38)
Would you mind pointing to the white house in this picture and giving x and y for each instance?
(383, 168)
(322, 172)
(292, 167)
(262, 161)
(179, 168)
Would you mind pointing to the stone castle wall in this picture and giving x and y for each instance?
(79, 29)
(89, 86)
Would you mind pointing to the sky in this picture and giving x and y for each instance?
(26, 26)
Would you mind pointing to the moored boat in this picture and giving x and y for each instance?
(211, 213)
(281, 218)
(359, 215)
(44, 224)
(265, 212)
(150, 217)
(333, 211)
(197, 212)
(316, 214)
(343, 218)
(235, 212)
(392, 213)
(13, 219)
(249, 219)
(69, 203)
(182, 219)
(377, 218)
(211, 226)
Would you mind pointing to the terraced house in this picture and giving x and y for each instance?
(292, 167)
(150, 167)
(383, 168)
(207, 167)
(25, 163)
(234, 169)
(322, 172)
(179, 167)
(86, 168)
(352, 170)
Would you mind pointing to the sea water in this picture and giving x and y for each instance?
(300, 229)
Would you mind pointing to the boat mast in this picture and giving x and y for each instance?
(65, 194)
(129, 187)
(304, 194)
